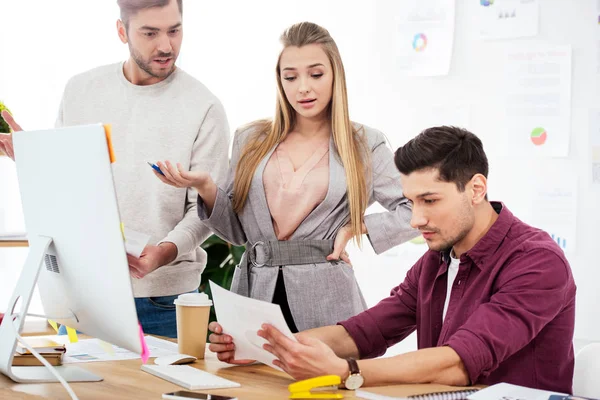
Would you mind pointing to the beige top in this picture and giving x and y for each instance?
(144, 120)
(293, 194)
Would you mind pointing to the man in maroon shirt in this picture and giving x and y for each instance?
(493, 300)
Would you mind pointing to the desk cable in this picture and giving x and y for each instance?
(16, 318)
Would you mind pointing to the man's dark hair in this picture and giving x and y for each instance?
(455, 152)
(131, 7)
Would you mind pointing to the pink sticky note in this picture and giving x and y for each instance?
(145, 352)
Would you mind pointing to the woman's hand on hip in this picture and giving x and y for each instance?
(339, 245)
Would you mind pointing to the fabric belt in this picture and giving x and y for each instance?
(276, 253)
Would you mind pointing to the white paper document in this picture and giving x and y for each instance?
(425, 37)
(538, 100)
(507, 391)
(135, 242)
(93, 350)
(242, 317)
(504, 19)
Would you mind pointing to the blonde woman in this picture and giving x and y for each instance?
(298, 188)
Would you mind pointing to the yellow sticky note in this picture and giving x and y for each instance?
(72, 333)
(123, 230)
(107, 347)
(54, 325)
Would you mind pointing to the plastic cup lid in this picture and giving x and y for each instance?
(193, 300)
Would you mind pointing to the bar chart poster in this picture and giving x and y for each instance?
(508, 19)
(554, 202)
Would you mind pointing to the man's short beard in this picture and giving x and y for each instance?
(144, 66)
(448, 245)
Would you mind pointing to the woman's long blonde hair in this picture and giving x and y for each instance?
(350, 145)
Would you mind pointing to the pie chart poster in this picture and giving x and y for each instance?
(538, 101)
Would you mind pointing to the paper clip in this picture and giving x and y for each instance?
(321, 387)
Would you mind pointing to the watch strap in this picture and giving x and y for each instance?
(353, 366)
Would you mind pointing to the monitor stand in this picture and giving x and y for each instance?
(38, 246)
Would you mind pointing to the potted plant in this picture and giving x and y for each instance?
(222, 257)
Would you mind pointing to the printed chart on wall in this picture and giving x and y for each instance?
(504, 19)
(538, 100)
(554, 202)
(425, 37)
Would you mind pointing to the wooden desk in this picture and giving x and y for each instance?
(14, 243)
(125, 380)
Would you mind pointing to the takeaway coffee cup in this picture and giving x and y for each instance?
(193, 310)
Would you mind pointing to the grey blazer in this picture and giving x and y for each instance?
(323, 293)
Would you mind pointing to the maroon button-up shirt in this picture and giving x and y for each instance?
(511, 314)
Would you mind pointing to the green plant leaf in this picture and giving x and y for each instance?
(4, 128)
(221, 261)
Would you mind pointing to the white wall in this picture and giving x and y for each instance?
(232, 46)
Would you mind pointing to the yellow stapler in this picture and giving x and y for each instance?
(321, 387)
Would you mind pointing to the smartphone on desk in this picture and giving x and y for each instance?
(184, 395)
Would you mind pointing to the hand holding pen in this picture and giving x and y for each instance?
(177, 176)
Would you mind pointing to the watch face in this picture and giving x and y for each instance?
(354, 381)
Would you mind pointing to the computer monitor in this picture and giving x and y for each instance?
(76, 246)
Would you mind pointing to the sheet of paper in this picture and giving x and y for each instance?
(135, 242)
(505, 19)
(595, 144)
(507, 391)
(538, 100)
(242, 317)
(425, 37)
(554, 203)
(93, 350)
(160, 345)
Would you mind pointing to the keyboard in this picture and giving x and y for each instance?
(189, 377)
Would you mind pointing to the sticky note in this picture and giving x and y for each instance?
(54, 325)
(111, 152)
(123, 231)
(72, 333)
(145, 352)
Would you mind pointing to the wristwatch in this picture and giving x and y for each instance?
(355, 379)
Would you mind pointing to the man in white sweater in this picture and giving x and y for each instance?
(157, 112)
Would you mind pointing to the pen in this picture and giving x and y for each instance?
(155, 167)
